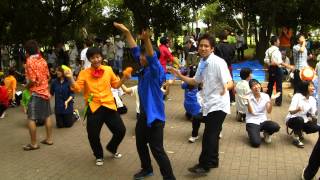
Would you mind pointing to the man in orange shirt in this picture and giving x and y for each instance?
(37, 75)
(96, 83)
(11, 85)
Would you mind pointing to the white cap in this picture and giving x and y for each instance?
(117, 36)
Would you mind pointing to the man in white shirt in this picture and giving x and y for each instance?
(85, 63)
(73, 55)
(273, 59)
(213, 72)
(119, 46)
(242, 89)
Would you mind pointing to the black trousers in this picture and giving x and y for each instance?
(210, 142)
(297, 125)
(275, 76)
(296, 81)
(154, 137)
(240, 53)
(196, 122)
(314, 162)
(2, 109)
(94, 124)
(254, 130)
(64, 120)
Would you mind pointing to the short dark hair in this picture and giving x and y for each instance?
(164, 40)
(303, 87)
(92, 51)
(11, 71)
(209, 38)
(31, 47)
(273, 39)
(223, 35)
(298, 36)
(252, 82)
(245, 73)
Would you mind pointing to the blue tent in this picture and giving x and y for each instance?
(258, 71)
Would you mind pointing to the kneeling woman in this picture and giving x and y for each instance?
(259, 105)
(302, 110)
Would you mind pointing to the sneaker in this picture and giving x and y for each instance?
(193, 139)
(117, 155)
(142, 174)
(267, 138)
(220, 136)
(197, 169)
(99, 162)
(297, 142)
(76, 114)
(3, 115)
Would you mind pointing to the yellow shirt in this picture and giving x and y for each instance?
(100, 87)
(11, 84)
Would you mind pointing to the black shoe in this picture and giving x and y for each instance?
(197, 169)
(142, 174)
(213, 166)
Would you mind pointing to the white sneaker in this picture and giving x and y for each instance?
(302, 175)
(220, 136)
(267, 137)
(99, 162)
(3, 115)
(297, 141)
(193, 139)
(117, 155)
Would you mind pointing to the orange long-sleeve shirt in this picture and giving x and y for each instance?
(11, 84)
(100, 88)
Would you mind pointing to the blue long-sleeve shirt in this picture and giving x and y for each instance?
(62, 92)
(150, 79)
(191, 104)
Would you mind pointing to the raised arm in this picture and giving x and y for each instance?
(147, 43)
(132, 43)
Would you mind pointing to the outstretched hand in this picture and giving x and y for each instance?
(121, 27)
(145, 35)
(174, 71)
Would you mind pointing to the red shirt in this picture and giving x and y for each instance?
(37, 72)
(4, 98)
(165, 55)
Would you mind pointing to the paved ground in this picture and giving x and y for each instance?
(71, 157)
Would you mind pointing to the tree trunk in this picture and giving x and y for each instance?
(263, 43)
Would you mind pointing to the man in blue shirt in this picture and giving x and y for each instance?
(150, 124)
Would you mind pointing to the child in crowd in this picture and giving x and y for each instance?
(11, 84)
(242, 89)
(60, 89)
(192, 105)
(117, 93)
(259, 105)
(4, 99)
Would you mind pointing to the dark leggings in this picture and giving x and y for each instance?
(196, 122)
(254, 130)
(298, 125)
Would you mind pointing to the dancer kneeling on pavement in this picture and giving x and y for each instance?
(302, 111)
(151, 120)
(96, 83)
(192, 105)
(213, 72)
(259, 105)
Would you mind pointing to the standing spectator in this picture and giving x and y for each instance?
(285, 39)
(302, 113)
(119, 46)
(242, 89)
(240, 46)
(73, 55)
(309, 43)
(4, 99)
(11, 84)
(60, 89)
(226, 51)
(165, 54)
(214, 74)
(96, 83)
(197, 35)
(85, 63)
(259, 105)
(52, 58)
(273, 59)
(191, 52)
(110, 52)
(300, 57)
(62, 55)
(37, 75)
(150, 125)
